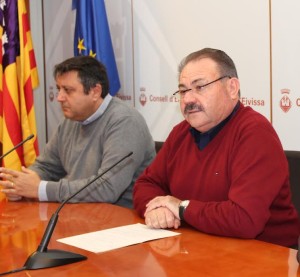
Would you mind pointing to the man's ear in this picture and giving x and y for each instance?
(234, 88)
(96, 91)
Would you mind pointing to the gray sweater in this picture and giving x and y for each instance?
(76, 153)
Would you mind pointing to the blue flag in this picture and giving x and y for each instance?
(92, 37)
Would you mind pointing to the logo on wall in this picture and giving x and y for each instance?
(143, 97)
(51, 94)
(285, 101)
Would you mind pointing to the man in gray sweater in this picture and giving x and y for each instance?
(98, 130)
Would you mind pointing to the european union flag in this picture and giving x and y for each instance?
(92, 37)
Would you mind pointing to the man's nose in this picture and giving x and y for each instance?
(60, 96)
(189, 96)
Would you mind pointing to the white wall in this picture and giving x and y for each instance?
(285, 70)
(38, 44)
(59, 24)
(150, 37)
(166, 31)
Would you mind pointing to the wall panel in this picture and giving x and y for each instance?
(166, 31)
(285, 71)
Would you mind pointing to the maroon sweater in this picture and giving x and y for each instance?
(238, 185)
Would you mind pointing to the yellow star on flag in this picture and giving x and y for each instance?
(80, 45)
(92, 54)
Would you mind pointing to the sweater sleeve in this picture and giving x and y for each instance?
(94, 148)
(48, 164)
(121, 136)
(153, 182)
(258, 193)
(238, 186)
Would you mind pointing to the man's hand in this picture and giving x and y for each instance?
(161, 218)
(19, 183)
(168, 201)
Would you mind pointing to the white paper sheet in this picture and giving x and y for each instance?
(118, 237)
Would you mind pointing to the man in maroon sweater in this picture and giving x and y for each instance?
(223, 169)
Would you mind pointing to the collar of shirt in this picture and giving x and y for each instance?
(99, 111)
(202, 139)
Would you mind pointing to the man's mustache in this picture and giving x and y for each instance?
(193, 107)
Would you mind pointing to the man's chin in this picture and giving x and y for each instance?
(192, 117)
(197, 124)
(67, 115)
(72, 117)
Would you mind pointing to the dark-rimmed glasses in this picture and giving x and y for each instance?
(198, 89)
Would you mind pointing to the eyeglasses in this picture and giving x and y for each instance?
(197, 89)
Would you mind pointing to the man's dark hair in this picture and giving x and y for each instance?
(90, 72)
(224, 62)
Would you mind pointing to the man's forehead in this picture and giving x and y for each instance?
(200, 69)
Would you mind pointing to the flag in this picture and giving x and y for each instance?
(18, 78)
(92, 37)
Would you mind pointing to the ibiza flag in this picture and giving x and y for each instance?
(92, 37)
(18, 78)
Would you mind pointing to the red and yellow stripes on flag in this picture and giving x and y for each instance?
(2, 195)
(18, 79)
(28, 82)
